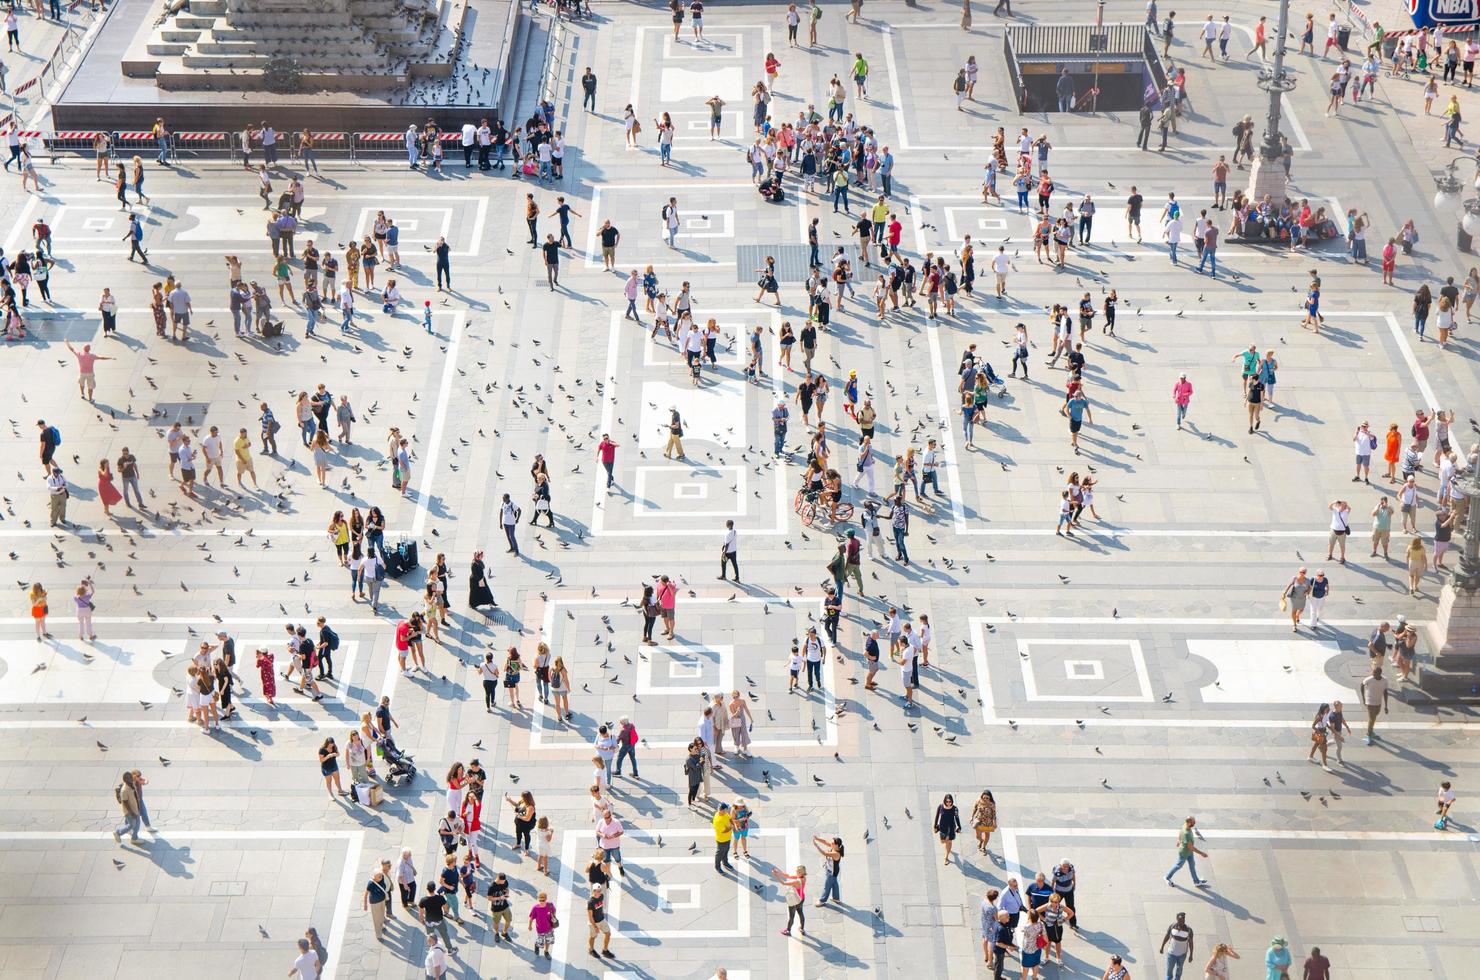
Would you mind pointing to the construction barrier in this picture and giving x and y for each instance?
(79, 141)
(199, 145)
(135, 142)
(379, 144)
(34, 140)
(325, 144)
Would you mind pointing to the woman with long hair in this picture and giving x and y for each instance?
(984, 819)
(39, 611)
(329, 767)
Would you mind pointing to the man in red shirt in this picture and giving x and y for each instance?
(895, 232)
(1316, 967)
(607, 453)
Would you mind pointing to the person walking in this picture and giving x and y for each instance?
(1182, 397)
(1179, 936)
(1374, 693)
(947, 824)
(729, 553)
(1187, 853)
(127, 797)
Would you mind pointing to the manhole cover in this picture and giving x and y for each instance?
(228, 889)
(1422, 923)
(186, 413)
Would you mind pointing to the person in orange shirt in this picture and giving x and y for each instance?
(1391, 450)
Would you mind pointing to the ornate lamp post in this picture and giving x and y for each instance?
(1267, 175)
(1449, 194)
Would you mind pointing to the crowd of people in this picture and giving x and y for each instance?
(834, 155)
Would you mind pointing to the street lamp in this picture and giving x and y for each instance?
(1267, 175)
(1449, 194)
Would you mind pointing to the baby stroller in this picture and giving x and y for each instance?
(398, 765)
(770, 189)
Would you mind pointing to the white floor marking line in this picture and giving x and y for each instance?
(952, 464)
(599, 497)
(439, 421)
(829, 677)
(354, 843)
(1162, 833)
(992, 716)
(1301, 143)
(565, 892)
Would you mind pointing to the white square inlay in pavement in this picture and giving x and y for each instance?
(1270, 671)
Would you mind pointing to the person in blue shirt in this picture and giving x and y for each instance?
(886, 171)
(1076, 408)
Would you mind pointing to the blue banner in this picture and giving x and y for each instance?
(1444, 13)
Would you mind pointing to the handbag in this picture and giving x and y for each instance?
(1284, 603)
(1042, 941)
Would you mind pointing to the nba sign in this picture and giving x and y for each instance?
(1444, 13)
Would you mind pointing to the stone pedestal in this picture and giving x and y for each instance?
(1267, 176)
(1454, 643)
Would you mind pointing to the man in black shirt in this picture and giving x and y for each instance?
(328, 643)
(1076, 361)
(609, 237)
(433, 909)
(498, 907)
(1143, 138)
(551, 248)
(588, 87)
(596, 917)
(865, 236)
(808, 338)
(1133, 213)
(444, 263)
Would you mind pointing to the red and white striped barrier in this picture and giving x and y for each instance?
(137, 135)
(379, 137)
(76, 134)
(24, 86)
(29, 134)
(328, 136)
(202, 137)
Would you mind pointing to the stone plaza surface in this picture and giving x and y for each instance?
(1103, 688)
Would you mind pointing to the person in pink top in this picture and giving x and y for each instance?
(607, 453)
(1182, 395)
(609, 831)
(629, 291)
(86, 382)
(542, 914)
(667, 601)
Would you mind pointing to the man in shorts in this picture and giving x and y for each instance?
(1078, 411)
(186, 457)
(1249, 366)
(596, 918)
(242, 449)
(180, 309)
(499, 914)
(87, 382)
(213, 450)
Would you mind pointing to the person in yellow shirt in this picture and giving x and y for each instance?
(723, 830)
(242, 447)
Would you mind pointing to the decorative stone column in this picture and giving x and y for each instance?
(1454, 634)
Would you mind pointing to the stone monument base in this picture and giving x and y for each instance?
(1267, 176)
(1454, 642)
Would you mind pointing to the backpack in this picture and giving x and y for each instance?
(333, 638)
(665, 214)
(56, 435)
(632, 735)
(118, 793)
